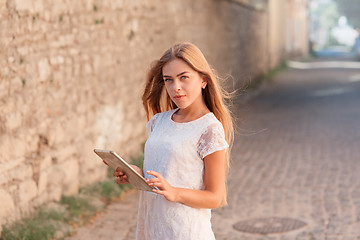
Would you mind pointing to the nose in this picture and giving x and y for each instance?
(177, 86)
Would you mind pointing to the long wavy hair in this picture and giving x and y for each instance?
(155, 99)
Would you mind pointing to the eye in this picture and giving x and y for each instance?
(167, 79)
(183, 77)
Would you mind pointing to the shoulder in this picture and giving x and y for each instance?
(212, 123)
(212, 137)
(157, 118)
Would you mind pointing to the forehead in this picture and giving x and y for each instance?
(176, 66)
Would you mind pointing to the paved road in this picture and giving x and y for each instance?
(296, 155)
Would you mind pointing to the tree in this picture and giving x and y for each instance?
(350, 9)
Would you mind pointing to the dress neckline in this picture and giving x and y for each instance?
(189, 122)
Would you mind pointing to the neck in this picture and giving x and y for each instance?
(187, 114)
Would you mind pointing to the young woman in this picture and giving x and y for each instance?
(186, 154)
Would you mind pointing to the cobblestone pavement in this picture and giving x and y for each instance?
(296, 155)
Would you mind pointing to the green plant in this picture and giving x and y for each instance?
(107, 190)
(98, 21)
(79, 209)
(131, 35)
(40, 226)
(270, 74)
(35, 17)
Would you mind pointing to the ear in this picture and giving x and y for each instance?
(204, 82)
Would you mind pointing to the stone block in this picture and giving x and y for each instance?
(16, 84)
(44, 69)
(56, 134)
(7, 205)
(92, 175)
(55, 176)
(45, 162)
(42, 184)
(21, 172)
(54, 193)
(4, 88)
(31, 140)
(65, 153)
(71, 179)
(13, 121)
(27, 191)
(23, 50)
(4, 178)
(5, 148)
(41, 199)
(17, 148)
(24, 5)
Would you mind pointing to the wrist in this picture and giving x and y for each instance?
(177, 194)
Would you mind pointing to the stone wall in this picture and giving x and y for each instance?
(72, 74)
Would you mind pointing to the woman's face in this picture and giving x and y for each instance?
(183, 84)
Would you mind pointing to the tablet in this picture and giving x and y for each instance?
(115, 161)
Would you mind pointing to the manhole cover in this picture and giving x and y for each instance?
(268, 225)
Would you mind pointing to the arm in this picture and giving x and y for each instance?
(214, 185)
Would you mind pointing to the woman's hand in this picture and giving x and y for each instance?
(121, 177)
(164, 188)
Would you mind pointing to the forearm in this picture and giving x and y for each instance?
(198, 198)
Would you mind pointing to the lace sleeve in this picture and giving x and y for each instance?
(212, 140)
(152, 122)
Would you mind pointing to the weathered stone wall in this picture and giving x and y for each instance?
(72, 74)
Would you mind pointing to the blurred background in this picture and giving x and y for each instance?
(72, 74)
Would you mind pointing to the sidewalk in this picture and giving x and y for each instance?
(117, 222)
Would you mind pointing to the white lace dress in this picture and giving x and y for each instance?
(176, 150)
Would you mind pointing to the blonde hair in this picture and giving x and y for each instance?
(155, 99)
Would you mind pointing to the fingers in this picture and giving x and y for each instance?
(154, 182)
(121, 177)
(158, 191)
(118, 173)
(158, 181)
(156, 174)
(122, 180)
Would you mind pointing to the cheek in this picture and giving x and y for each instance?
(167, 89)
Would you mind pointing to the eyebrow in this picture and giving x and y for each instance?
(176, 75)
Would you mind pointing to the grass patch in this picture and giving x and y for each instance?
(40, 226)
(79, 209)
(267, 77)
(106, 190)
(75, 211)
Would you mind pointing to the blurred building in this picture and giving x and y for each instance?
(288, 29)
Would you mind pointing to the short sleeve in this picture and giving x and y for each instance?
(212, 140)
(152, 122)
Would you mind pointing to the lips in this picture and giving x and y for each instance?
(179, 97)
